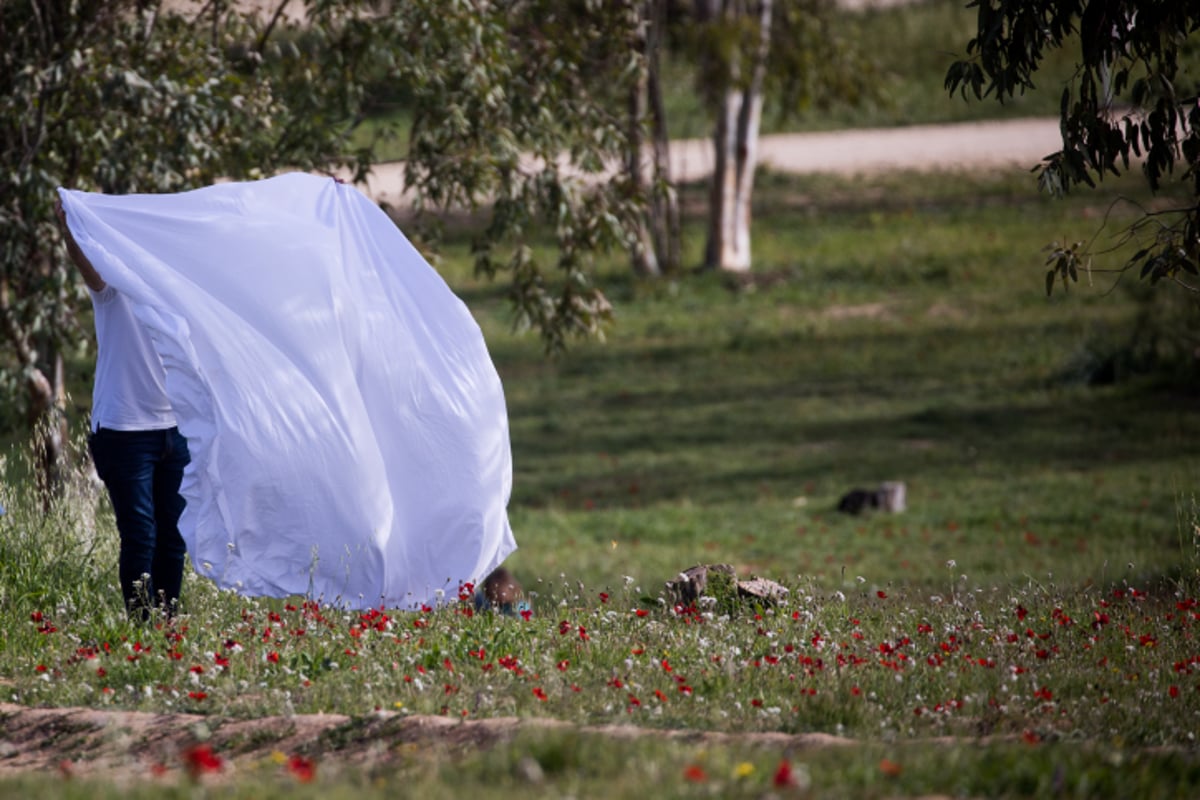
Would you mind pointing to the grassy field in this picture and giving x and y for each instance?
(897, 332)
(1026, 628)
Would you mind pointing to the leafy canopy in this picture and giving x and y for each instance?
(518, 106)
(135, 96)
(1134, 96)
(127, 97)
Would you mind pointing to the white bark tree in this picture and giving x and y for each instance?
(735, 137)
(788, 51)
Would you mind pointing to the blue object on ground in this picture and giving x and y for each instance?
(507, 609)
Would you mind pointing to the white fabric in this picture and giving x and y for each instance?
(129, 393)
(348, 431)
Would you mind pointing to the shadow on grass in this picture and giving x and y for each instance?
(789, 415)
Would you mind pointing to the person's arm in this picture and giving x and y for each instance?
(90, 276)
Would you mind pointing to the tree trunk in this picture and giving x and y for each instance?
(48, 420)
(47, 399)
(664, 207)
(644, 253)
(735, 140)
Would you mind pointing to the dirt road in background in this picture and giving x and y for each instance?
(994, 144)
(1020, 143)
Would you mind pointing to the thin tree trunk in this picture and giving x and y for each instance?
(735, 141)
(48, 412)
(723, 192)
(645, 254)
(664, 219)
(47, 399)
(749, 125)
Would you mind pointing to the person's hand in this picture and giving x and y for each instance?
(90, 276)
(61, 214)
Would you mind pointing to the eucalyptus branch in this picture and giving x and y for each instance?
(270, 27)
(200, 14)
(18, 338)
(1103, 224)
(40, 25)
(216, 23)
(1185, 285)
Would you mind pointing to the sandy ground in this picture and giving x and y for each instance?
(133, 745)
(1009, 143)
(1018, 144)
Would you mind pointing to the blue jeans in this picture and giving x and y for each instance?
(142, 471)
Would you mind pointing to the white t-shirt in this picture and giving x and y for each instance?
(130, 389)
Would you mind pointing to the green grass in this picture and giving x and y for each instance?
(580, 765)
(908, 339)
(1037, 602)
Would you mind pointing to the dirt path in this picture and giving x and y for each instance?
(1019, 143)
(995, 144)
(122, 745)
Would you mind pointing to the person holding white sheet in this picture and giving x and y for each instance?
(137, 449)
(322, 464)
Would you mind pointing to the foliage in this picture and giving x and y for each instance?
(1132, 98)
(819, 61)
(133, 97)
(516, 105)
(1024, 659)
(906, 44)
(813, 60)
(141, 97)
(551, 764)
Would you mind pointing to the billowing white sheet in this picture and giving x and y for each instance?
(348, 431)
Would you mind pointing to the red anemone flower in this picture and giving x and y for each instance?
(201, 759)
(304, 769)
